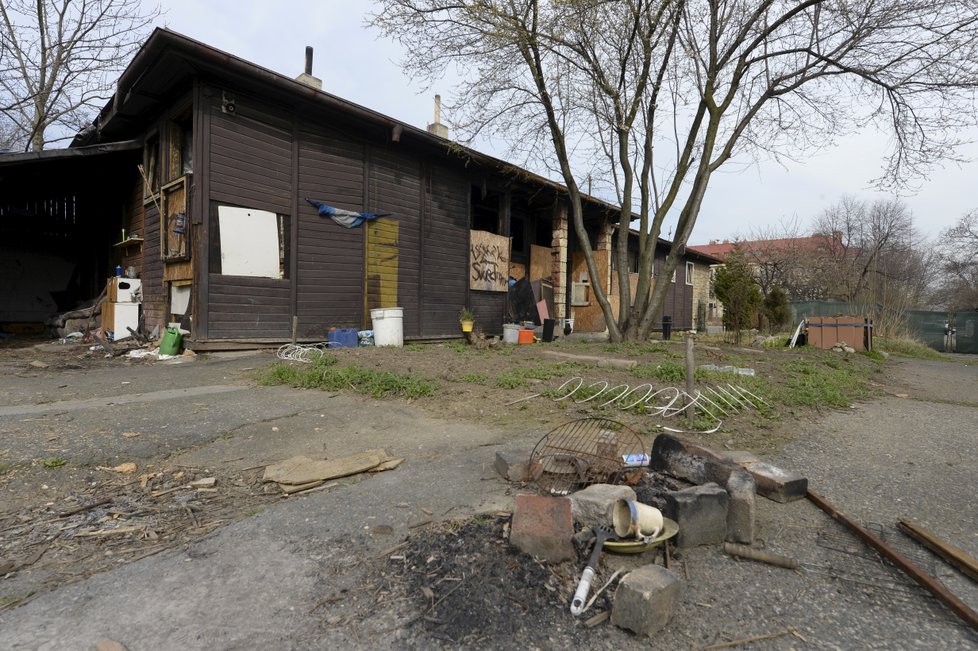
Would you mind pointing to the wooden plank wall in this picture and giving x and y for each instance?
(395, 187)
(250, 165)
(446, 237)
(329, 280)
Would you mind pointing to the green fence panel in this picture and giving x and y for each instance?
(967, 335)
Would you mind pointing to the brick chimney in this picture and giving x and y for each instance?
(306, 77)
(437, 127)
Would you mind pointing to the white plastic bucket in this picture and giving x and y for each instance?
(511, 333)
(388, 326)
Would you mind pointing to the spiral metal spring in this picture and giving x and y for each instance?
(712, 401)
(301, 352)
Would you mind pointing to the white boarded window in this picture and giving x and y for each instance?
(252, 242)
(689, 273)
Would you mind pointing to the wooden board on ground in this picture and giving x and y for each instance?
(300, 471)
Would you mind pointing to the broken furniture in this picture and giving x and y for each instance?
(120, 311)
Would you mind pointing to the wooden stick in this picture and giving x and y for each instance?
(513, 402)
(743, 551)
(747, 640)
(602, 588)
(901, 561)
(104, 500)
(958, 558)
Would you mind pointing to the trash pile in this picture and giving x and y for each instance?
(682, 495)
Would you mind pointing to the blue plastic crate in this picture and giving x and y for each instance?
(343, 338)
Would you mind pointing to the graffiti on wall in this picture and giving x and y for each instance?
(488, 262)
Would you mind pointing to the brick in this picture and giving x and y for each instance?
(741, 512)
(772, 482)
(646, 599)
(543, 527)
(701, 513)
(513, 465)
(592, 506)
(777, 484)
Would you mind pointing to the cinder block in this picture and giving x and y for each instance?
(741, 512)
(701, 513)
(513, 465)
(543, 527)
(645, 599)
(592, 506)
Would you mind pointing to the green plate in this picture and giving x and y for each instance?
(669, 529)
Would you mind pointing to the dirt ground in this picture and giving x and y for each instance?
(440, 567)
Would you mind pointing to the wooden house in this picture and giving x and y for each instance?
(196, 175)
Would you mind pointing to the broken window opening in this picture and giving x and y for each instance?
(151, 168)
(485, 210)
(180, 149)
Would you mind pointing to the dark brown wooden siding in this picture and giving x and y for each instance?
(249, 165)
(446, 251)
(329, 281)
(489, 308)
(395, 187)
(154, 291)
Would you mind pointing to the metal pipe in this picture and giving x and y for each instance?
(925, 580)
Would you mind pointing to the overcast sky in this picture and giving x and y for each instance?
(357, 66)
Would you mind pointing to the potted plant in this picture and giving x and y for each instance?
(466, 318)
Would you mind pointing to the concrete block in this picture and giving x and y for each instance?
(513, 465)
(645, 599)
(777, 484)
(741, 512)
(592, 506)
(701, 513)
(772, 482)
(543, 527)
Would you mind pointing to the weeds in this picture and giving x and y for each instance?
(519, 377)
(414, 348)
(474, 378)
(324, 375)
(53, 462)
(907, 347)
(666, 372)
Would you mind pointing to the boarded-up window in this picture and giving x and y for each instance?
(488, 262)
(249, 242)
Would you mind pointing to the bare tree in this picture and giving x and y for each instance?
(775, 253)
(58, 60)
(868, 253)
(957, 253)
(654, 96)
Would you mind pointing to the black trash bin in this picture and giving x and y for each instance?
(667, 327)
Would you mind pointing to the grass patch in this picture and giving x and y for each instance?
(819, 383)
(474, 378)
(414, 348)
(778, 341)
(668, 372)
(907, 347)
(323, 374)
(53, 462)
(519, 377)
(874, 355)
